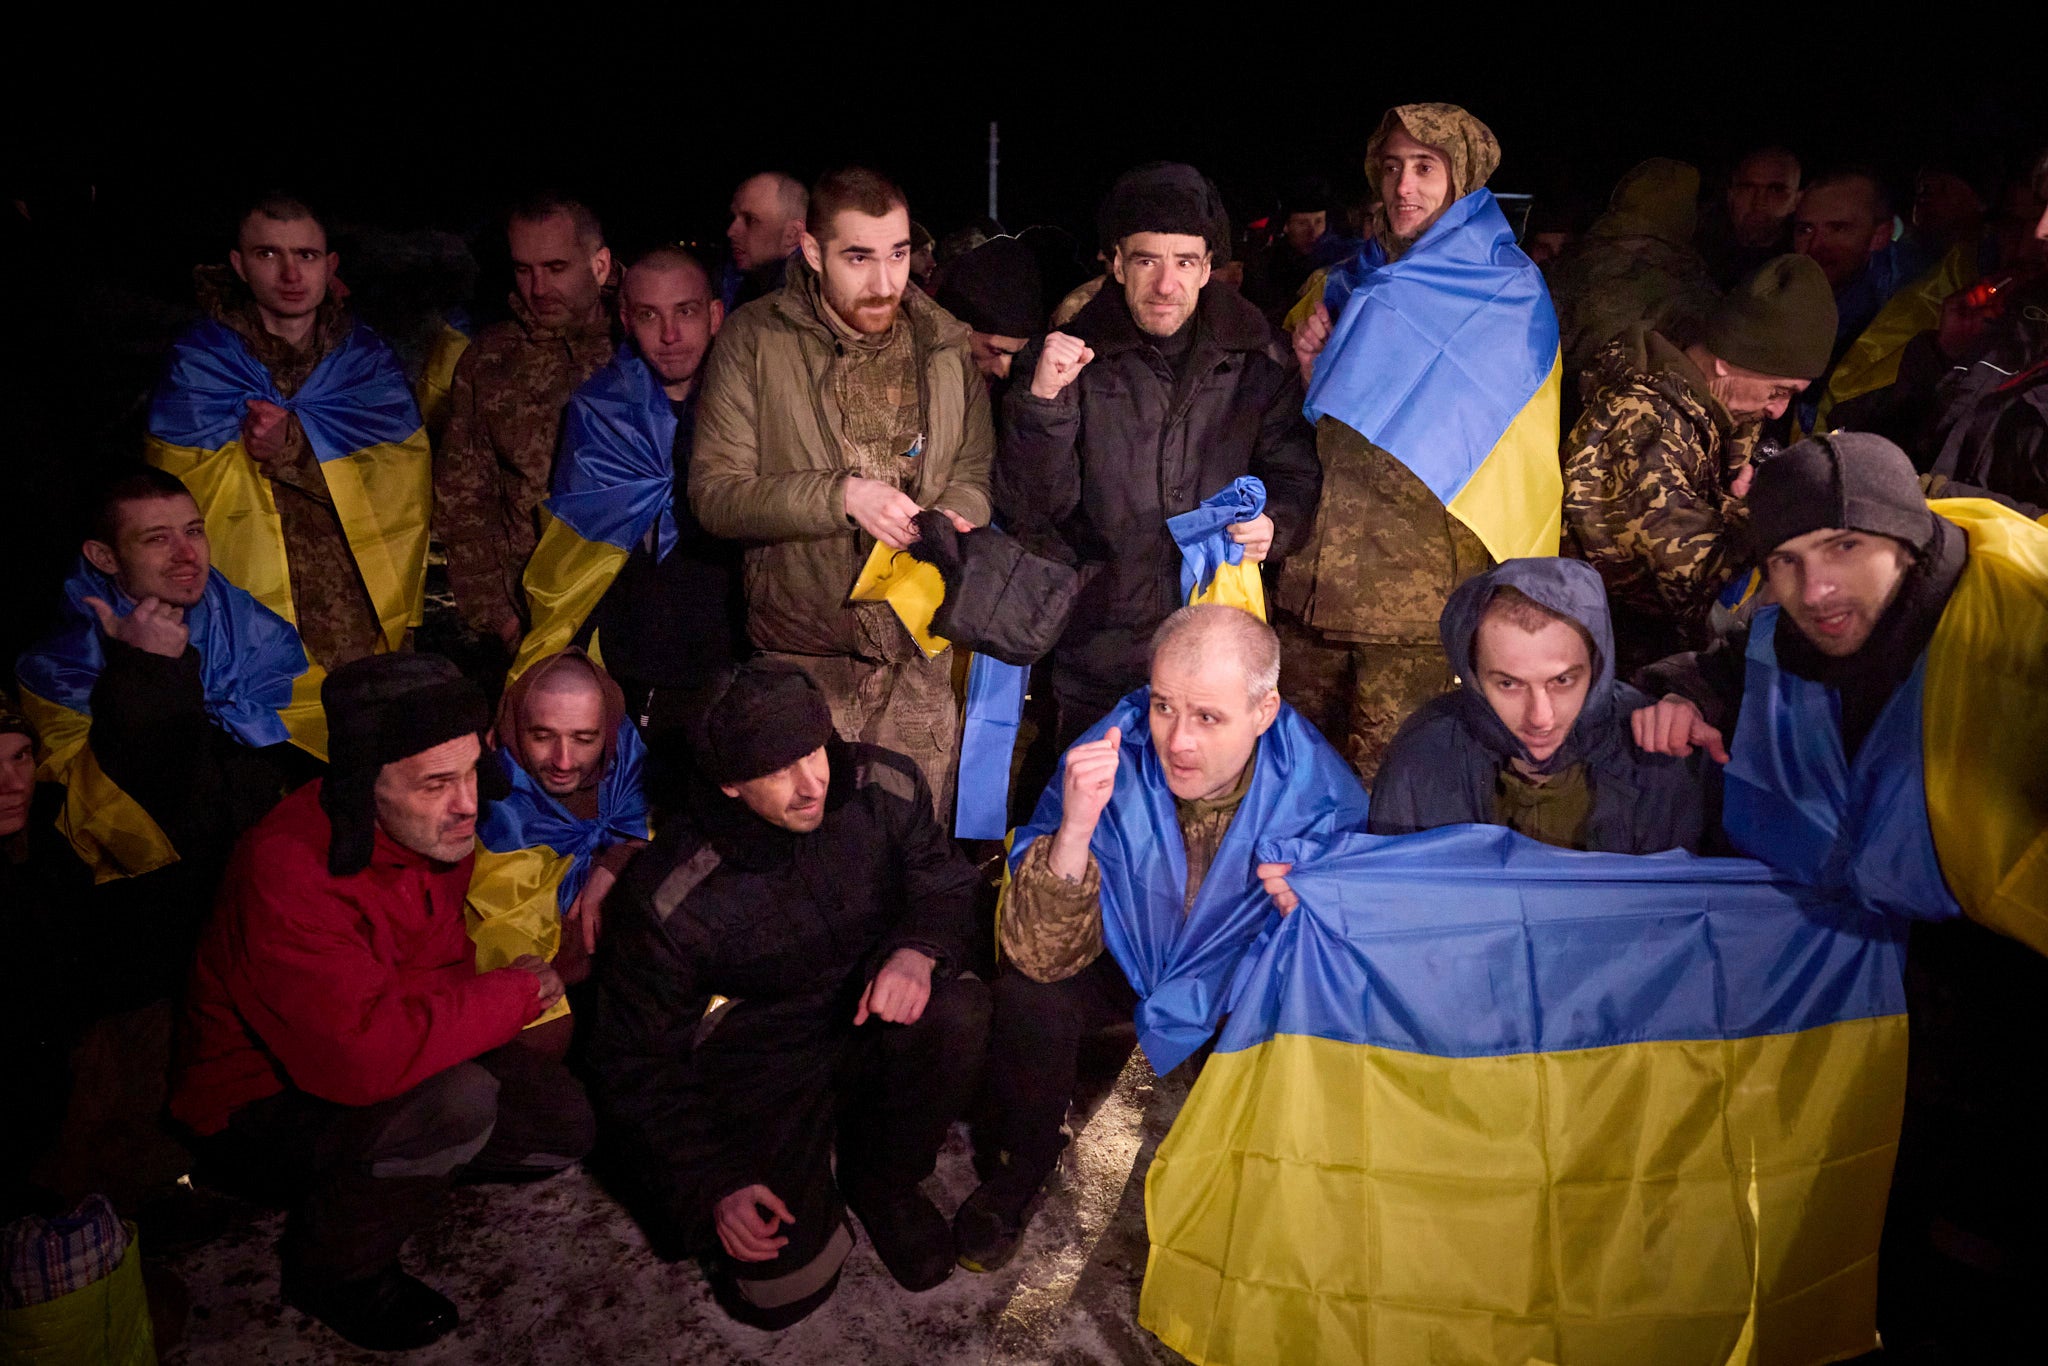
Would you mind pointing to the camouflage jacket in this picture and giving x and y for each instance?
(1646, 494)
(493, 465)
(1052, 928)
(337, 621)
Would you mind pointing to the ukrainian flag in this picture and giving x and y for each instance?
(1480, 1100)
(533, 857)
(1212, 567)
(614, 488)
(258, 684)
(1872, 360)
(1448, 360)
(359, 417)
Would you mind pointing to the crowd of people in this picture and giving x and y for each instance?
(546, 743)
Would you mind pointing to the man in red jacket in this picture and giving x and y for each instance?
(341, 1052)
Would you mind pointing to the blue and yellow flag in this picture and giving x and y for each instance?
(1447, 359)
(533, 857)
(1481, 1100)
(1946, 804)
(1212, 567)
(1872, 360)
(988, 747)
(358, 414)
(614, 489)
(258, 685)
(1180, 961)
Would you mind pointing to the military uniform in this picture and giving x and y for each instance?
(1647, 500)
(493, 466)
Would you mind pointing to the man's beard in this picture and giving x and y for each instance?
(852, 314)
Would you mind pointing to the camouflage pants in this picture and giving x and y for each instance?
(1357, 694)
(907, 707)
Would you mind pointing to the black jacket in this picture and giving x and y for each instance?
(1443, 766)
(1094, 473)
(787, 927)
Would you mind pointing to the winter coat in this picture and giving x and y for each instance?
(769, 937)
(771, 461)
(352, 989)
(1095, 472)
(1635, 265)
(1443, 766)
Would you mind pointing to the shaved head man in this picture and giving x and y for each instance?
(767, 225)
(668, 308)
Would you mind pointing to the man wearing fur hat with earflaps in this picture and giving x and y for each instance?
(340, 1048)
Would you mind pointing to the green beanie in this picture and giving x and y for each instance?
(1779, 322)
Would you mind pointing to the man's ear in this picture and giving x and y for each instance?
(601, 264)
(101, 556)
(1116, 262)
(814, 252)
(1268, 710)
(717, 315)
(792, 233)
(235, 260)
(728, 789)
(1880, 237)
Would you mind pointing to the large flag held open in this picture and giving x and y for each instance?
(1447, 359)
(1481, 1100)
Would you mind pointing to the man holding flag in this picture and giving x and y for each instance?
(1433, 378)
(294, 427)
(1144, 846)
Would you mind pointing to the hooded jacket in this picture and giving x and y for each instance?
(1443, 767)
(1636, 264)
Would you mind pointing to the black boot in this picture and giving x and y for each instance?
(990, 1223)
(909, 1234)
(387, 1312)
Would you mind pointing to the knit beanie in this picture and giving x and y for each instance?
(1779, 322)
(1848, 481)
(994, 289)
(380, 709)
(1165, 196)
(769, 716)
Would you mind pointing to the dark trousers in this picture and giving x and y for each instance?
(1034, 1053)
(361, 1179)
(894, 1091)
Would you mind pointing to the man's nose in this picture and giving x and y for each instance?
(558, 754)
(671, 330)
(465, 797)
(1776, 407)
(1542, 711)
(288, 267)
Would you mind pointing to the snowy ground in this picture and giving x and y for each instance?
(557, 1273)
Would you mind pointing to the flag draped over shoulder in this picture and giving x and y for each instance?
(533, 857)
(614, 489)
(1945, 808)
(1482, 1100)
(1180, 962)
(1447, 359)
(1212, 566)
(1872, 360)
(364, 429)
(253, 672)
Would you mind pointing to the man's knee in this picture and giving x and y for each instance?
(957, 1014)
(438, 1125)
(777, 1295)
(1032, 1014)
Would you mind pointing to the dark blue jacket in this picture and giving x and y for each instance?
(1443, 767)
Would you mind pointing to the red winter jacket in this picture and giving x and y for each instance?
(354, 989)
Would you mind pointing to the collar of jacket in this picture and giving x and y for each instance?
(223, 296)
(1226, 321)
(746, 841)
(931, 328)
(1645, 358)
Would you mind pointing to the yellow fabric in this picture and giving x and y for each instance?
(512, 910)
(113, 835)
(106, 1323)
(1514, 501)
(436, 384)
(1682, 1203)
(304, 716)
(1872, 360)
(565, 580)
(909, 585)
(1305, 302)
(1235, 585)
(383, 495)
(1985, 723)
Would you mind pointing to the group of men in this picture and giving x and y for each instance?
(707, 831)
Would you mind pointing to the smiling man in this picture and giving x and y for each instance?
(1106, 921)
(1537, 736)
(1155, 396)
(341, 1049)
(833, 411)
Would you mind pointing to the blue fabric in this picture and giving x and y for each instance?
(356, 397)
(615, 477)
(1431, 357)
(529, 818)
(1796, 802)
(988, 740)
(249, 656)
(1205, 546)
(1472, 941)
(1180, 963)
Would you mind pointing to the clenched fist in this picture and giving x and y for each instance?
(1084, 792)
(1063, 358)
(1309, 340)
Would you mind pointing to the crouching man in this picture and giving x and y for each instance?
(1537, 737)
(1144, 846)
(780, 979)
(341, 1050)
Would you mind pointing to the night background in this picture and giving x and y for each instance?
(126, 168)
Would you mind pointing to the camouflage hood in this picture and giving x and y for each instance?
(1658, 198)
(1570, 588)
(1469, 148)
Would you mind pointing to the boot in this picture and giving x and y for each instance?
(989, 1225)
(386, 1312)
(909, 1234)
